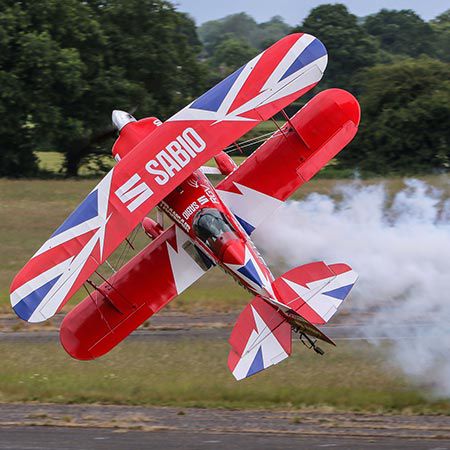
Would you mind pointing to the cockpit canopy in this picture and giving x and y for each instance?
(210, 224)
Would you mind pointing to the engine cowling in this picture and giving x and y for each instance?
(131, 131)
(151, 228)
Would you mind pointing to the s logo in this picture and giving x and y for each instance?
(133, 192)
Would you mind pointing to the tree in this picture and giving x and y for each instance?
(71, 62)
(350, 48)
(151, 61)
(401, 32)
(232, 54)
(240, 26)
(272, 31)
(243, 28)
(405, 109)
(441, 41)
(16, 150)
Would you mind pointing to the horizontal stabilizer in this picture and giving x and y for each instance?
(315, 290)
(260, 339)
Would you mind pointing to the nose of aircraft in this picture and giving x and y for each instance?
(121, 118)
(234, 253)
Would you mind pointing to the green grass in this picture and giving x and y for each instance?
(52, 162)
(194, 373)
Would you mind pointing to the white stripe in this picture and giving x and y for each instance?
(69, 234)
(103, 189)
(294, 52)
(57, 294)
(39, 281)
(310, 74)
(185, 271)
(237, 86)
(251, 205)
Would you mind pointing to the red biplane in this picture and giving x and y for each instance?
(160, 165)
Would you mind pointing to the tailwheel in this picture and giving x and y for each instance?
(318, 350)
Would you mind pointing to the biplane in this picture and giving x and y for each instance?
(161, 165)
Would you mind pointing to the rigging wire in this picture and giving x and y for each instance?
(126, 248)
(263, 139)
(248, 142)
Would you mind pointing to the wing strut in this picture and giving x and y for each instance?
(104, 294)
(238, 147)
(278, 126)
(288, 120)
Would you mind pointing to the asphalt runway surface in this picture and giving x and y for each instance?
(44, 438)
(101, 427)
(172, 326)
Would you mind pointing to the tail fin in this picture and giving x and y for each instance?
(262, 336)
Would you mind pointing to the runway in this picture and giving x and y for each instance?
(95, 427)
(172, 326)
(44, 438)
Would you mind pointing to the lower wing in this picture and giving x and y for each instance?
(291, 157)
(150, 280)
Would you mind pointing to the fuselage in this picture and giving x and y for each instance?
(197, 209)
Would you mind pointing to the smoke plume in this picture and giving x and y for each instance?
(400, 246)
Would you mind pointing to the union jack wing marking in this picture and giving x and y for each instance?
(83, 232)
(236, 97)
(260, 338)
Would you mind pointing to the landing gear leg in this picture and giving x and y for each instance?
(308, 342)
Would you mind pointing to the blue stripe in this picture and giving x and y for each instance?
(339, 293)
(26, 307)
(257, 364)
(88, 209)
(245, 225)
(211, 100)
(313, 51)
(250, 272)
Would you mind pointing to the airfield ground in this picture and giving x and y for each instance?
(178, 363)
(180, 360)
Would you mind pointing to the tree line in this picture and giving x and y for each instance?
(65, 65)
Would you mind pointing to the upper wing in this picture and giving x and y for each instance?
(160, 272)
(157, 165)
(291, 157)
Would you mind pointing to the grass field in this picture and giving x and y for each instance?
(194, 373)
(187, 372)
(30, 210)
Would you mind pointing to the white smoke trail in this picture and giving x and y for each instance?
(399, 245)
